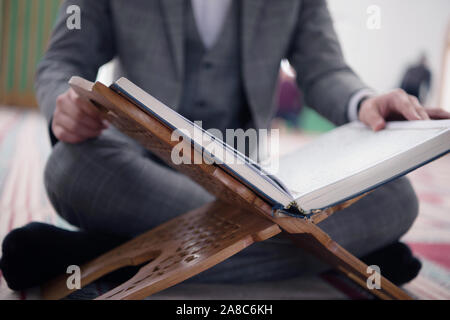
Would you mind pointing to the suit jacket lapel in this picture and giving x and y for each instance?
(250, 12)
(282, 15)
(174, 18)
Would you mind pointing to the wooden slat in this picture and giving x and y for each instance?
(177, 249)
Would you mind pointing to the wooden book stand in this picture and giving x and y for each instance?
(202, 238)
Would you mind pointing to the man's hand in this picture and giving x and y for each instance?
(395, 105)
(76, 119)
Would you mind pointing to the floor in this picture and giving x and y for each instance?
(24, 148)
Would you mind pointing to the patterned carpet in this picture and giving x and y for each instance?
(24, 147)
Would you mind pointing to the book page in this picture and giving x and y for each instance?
(349, 150)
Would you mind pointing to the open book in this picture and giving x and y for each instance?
(335, 167)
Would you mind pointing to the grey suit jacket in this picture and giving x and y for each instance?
(147, 38)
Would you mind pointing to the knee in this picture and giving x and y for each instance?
(60, 177)
(407, 205)
(57, 169)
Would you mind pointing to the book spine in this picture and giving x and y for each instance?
(291, 210)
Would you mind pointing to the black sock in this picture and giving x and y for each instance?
(38, 252)
(396, 262)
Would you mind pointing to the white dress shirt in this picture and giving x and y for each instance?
(210, 16)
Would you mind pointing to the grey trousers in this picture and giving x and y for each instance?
(112, 185)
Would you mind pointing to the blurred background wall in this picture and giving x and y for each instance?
(25, 27)
(408, 28)
(381, 56)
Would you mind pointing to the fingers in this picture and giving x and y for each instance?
(402, 103)
(76, 119)
(67, 129)
(436, 113)
(82, 118)
(85, 106)
(76, 127)
(64, 135)
(376, 110)
(370, 115)
(419, 109)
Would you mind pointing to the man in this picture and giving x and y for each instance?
(215, 61)
(417, 79)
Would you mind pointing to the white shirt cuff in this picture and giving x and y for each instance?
(352, 111)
